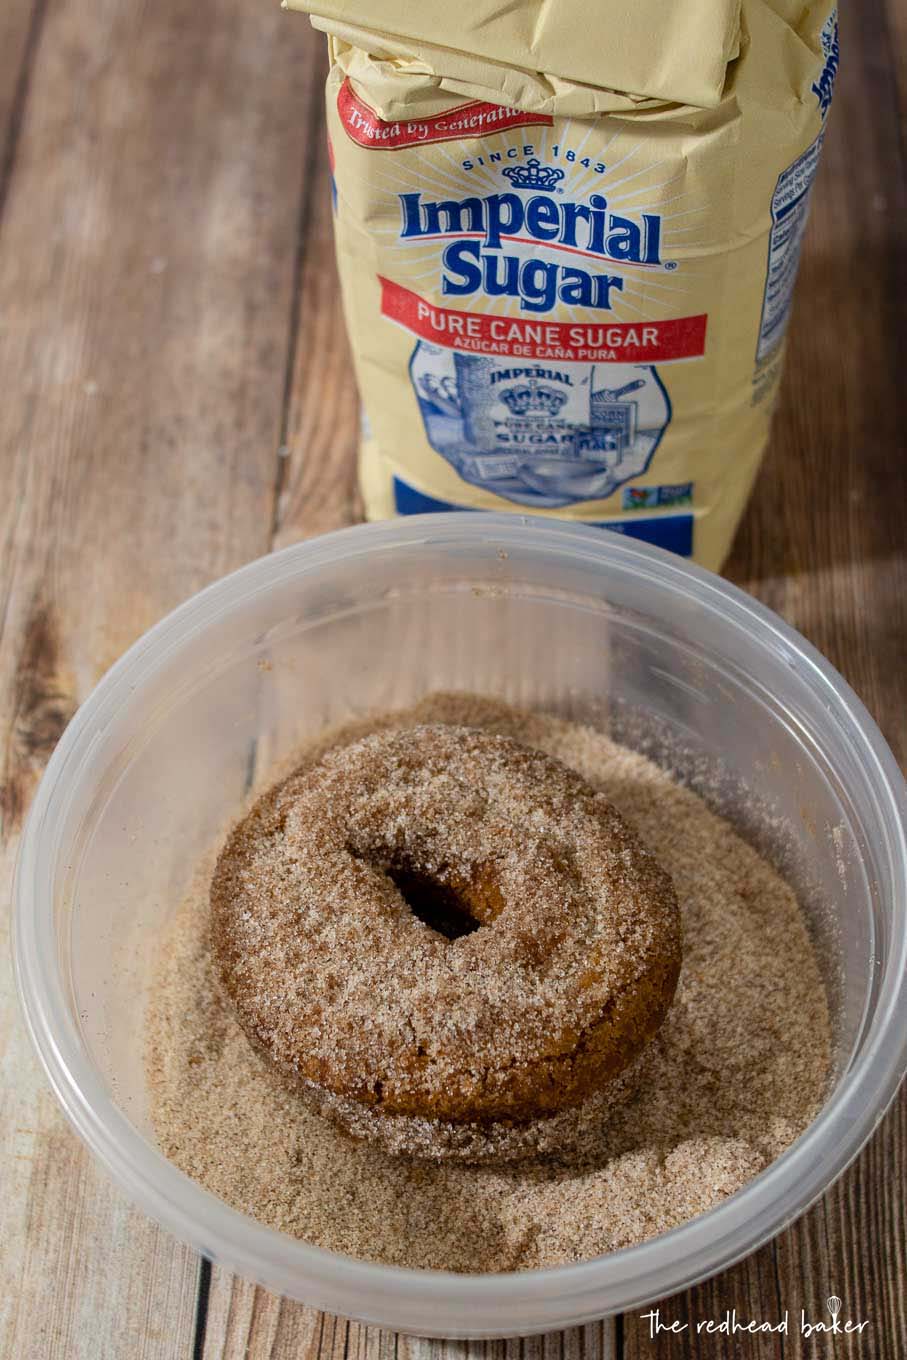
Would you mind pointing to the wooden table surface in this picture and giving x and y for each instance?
(176, 399)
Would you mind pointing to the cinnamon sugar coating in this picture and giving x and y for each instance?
(737, 1071)
(488, 1045)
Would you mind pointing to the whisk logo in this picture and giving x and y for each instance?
(838, 1326)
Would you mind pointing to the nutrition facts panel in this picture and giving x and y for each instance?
(790, 210)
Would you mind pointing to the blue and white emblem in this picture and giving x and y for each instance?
(537, 433)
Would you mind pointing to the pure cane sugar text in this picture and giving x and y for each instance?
(621, 192)
(736, 1073)
(539, 340)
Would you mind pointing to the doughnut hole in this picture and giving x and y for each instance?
(437, 905)
(513, 946)
(451, 904)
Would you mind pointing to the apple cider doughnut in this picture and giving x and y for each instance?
(450, 942)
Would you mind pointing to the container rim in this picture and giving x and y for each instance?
(436, 1302)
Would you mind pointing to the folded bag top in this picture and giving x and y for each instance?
(676, 53)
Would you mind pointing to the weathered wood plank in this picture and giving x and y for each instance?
(318, 493)
(248, 1323)
(315, 492)
(889, 58)
(20, 27)
(824, 542)
(318, 489)
(146, 277)
(243, 1320)
(147, 340)
(594, 1342)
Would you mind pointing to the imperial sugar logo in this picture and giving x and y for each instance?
(490, 234)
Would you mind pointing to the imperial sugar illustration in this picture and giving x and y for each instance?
(568, 260)
(539, 436)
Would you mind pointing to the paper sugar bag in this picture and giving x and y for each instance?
(568, 237)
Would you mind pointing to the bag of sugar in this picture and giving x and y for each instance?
(568, 236)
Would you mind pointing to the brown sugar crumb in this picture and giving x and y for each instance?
(736, 1073)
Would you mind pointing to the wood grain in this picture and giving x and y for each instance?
(178, 397)
(824, 542)
(147, 258)
(318, 488)
(248, 1323)
(243, 1320)
(593, 1342)
(890, 52)
(20, 29)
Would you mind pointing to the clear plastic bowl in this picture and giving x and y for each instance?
(677, 661)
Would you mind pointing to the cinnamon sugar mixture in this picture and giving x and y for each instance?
(737, 1071)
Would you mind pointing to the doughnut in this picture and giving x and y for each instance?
(449, 942)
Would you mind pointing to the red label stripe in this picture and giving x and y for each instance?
(681, 337)
(476, 119)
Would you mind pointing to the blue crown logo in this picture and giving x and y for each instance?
(534, 175)
(531, 399)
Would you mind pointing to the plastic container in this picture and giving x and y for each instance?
(678, 662)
